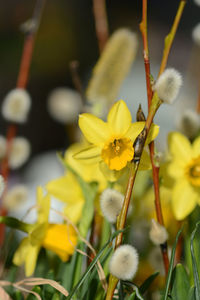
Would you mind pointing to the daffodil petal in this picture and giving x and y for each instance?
(153, 132)
(196, 147)
(184, 199)
(145, 162)
(65, 188)
(94, 129)
(73, 211)
(119, 118)
(179, 146)
(134, 130)
(21, 252)
(176, 169)
(90, 155)
(31, 259)
(43, 203)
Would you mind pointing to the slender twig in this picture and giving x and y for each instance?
(155, 169)
(170, 37)
(198, 100)
(101, 23)
(143, 29)
(22, 79)
(121, 221)
(74, 68)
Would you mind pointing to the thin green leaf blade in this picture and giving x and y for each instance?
(181, 284)
(194, 263)
(169, 275)
(146, 284)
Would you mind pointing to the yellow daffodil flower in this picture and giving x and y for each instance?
(60, 238)
(112, 141)
(88, 172)
(184, 169)
(67, 190)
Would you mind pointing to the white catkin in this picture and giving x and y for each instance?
(2, 146)
(189, 123)
(2, 185)
(111, 202)
(20, 152)
(16, 106)
(197, 2)
(196, 34)
(168, 84)
(112, 66)
(158, 233)
(64, 105)
(124, 262)
(15, 197)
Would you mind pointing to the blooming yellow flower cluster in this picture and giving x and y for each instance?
(184, 170)
(60, 238)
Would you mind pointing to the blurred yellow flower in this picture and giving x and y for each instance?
(59, 238)
(68, 190)
(112, 141)
(184, 169)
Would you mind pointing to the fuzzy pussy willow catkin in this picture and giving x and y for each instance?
(113, 66)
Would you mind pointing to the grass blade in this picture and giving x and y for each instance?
(194, 263)
(87, 272)
(169, 275)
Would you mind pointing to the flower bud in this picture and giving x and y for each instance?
(111, 202)
(189, 123)
(2, 146)
(197, 2)
(158, 234)
(20, 152)
(112, 67)
(124, 262)
(15, 197)
(2, 185)
(196, 34)
(168, 84)
(64, 105)
(16, 106)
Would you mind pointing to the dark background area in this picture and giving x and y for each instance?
(67, 33)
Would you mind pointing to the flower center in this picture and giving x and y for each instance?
(193, 172)
(117, 152)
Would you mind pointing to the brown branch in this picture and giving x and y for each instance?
(101, 23)
(198, 100)
(143, 29)
(155, 170)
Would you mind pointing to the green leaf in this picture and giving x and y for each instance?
(136, 289)
(146, 284)
(132, 296)
(169, 275)
(94, 274)
(181, 284)
(56, 297)
(36, 289)
(194, 263)
(191, 295)
(87, 272)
